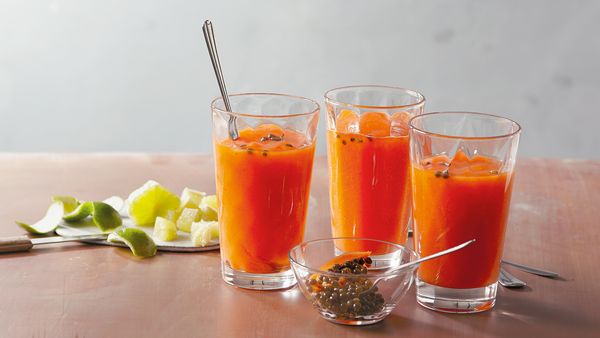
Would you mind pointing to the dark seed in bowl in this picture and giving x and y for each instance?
(347, 297)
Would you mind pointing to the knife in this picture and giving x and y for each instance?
(24, 243)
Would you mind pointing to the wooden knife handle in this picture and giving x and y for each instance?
(15, 244)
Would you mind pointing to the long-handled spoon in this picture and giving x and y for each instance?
(529, 269)
(211, 45)
(423, 259)
(535, 271)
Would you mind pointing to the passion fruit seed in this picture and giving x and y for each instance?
(347, 297)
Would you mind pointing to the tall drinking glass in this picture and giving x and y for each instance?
(462, 177)
(368, 153)
(263, 180)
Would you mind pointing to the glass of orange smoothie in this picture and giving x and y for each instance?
(369, 164)
(263, 180)
(462, 178)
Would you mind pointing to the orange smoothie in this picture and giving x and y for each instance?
(369, 177)
(456, 200)
(263, 181)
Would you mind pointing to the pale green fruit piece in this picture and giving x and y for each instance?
(209, 208)
(165, 229)
(116, 202)
(137, 240)
(105, 217)
(172, 215)
(191, 198)
(49, 222)
(187, 217)
(69, 202)
(205, 233)
(82, 211)
(150, 201)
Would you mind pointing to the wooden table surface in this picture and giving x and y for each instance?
(78, 290)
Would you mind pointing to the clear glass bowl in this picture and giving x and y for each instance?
(351, 298)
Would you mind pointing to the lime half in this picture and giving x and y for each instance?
(69, 202)
(49, 222)
(82, 211)
(137, 240)
(150, 201)
(105, 217)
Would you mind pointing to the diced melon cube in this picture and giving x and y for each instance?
(204, 233)
(187, 217)
(165, 229)
(191, 198)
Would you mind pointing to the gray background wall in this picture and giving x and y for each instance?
(135, 76)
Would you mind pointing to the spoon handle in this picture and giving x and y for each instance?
(539, 272)
(435, 255)
(211, 45)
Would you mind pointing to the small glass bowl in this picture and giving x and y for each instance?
(347, 298)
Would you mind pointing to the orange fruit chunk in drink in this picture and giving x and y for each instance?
(400, 124)
(478, 165)
(375, 124)
(347, 121)
(269, 137)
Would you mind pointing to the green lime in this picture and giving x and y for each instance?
(209, 208)
(205, 233)
(105, 217)
(187, 217)
(48, 223)
(82, 211)
(150, 201)
(137, 240)
(69, 202)
(165, 229)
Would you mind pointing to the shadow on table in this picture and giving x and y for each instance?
(520, 316)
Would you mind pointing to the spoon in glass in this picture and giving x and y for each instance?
(211, 45)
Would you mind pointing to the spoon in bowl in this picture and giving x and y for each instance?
(211, 45)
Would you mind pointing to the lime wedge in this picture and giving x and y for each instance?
(205, 233)
(137, 240)
(69, 202)
(165, 229)
(49, 222)
(105, 217)
(187, 217)
(116, 202)
(150, 201)
(82, 211)
(191, 198)
(209, 208)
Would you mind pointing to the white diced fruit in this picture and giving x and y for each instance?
(165, 229)
(204, 233)
(191, 198)
(187, 217)
(209, 208)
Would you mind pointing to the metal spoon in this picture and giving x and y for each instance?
(211, 45)
(421, 260)
(535, 271)
(507, 280)
(529, 269)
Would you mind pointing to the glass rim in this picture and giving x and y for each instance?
(393, 271)
(421, 97)
(494, 137)
(314, 111)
